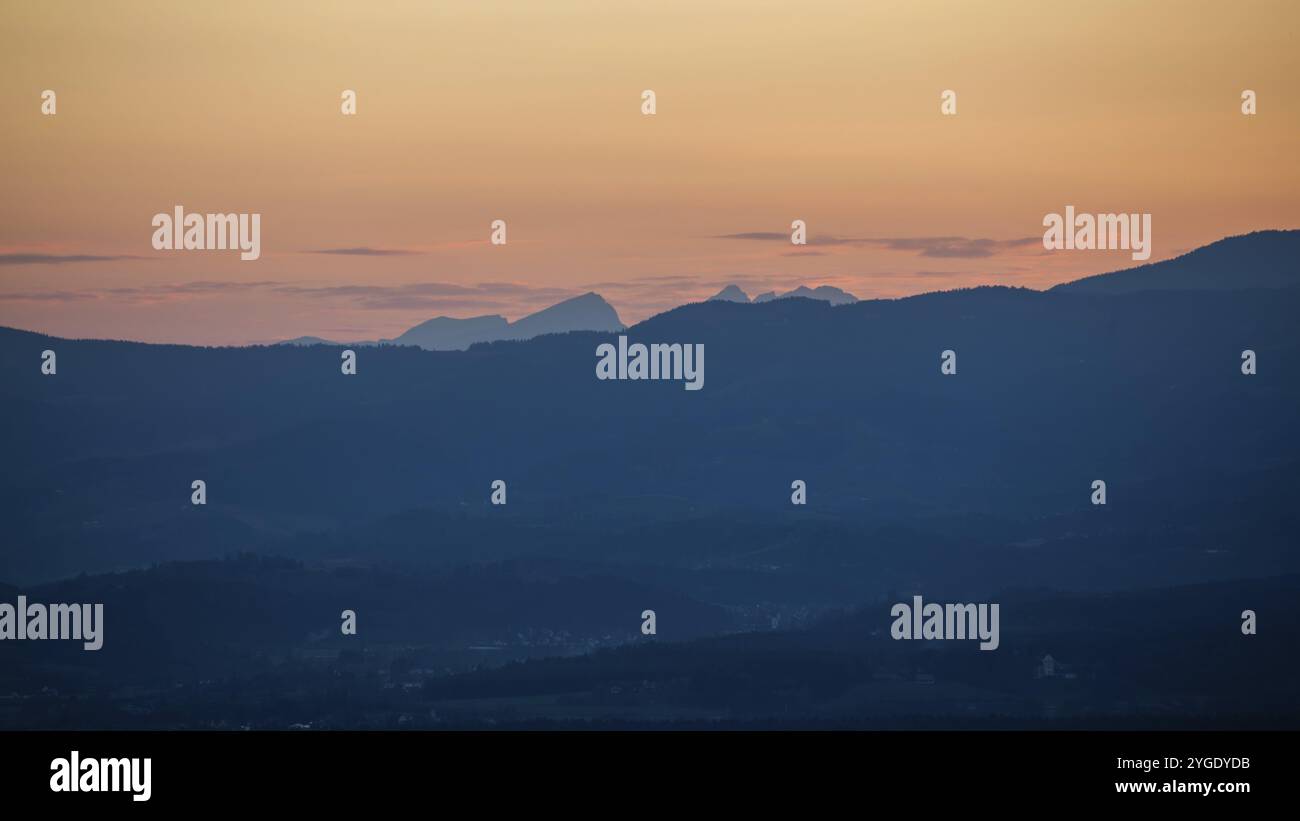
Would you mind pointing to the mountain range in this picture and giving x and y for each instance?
(371, 492)
(1053, 389)
(822, 293)
(1264, 259)
(588, 312)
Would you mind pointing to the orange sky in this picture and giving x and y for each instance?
(530, 112)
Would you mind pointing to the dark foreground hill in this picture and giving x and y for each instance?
(1263, 259)
(1052, 391)
(631, 495)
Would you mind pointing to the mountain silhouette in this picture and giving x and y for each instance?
(307, 340)
(589, 312)
(1053, 390)
(822, 293)
(732, 293)
(445, 333)
(1263, 259)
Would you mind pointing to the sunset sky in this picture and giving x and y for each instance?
(531, 112)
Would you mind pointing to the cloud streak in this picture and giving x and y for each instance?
(495, 296)
(934, 247)
(364, 251)
(61, 259)
(955, 247)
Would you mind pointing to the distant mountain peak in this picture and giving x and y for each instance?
(307, 340)
(586, 312)
(823, 293)
(732, 293)
(826, 293)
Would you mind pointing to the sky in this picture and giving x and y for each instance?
(530, 112)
